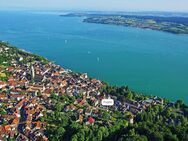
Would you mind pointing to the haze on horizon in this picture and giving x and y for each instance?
(104, 5)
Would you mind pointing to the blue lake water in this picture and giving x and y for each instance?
(150, 62)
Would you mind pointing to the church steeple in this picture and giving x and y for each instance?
(32, 72)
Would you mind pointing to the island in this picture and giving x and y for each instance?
(41, 101)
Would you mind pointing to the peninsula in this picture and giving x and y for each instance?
(40, 100)
(175, 25)
(154, 23)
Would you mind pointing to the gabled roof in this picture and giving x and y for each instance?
(15, 121)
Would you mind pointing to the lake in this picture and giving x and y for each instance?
(149, 62)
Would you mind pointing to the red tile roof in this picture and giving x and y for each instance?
(91, 120)
(2, 83)
(10, 69)
(2, 96)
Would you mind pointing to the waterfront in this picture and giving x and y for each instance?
(148, 61)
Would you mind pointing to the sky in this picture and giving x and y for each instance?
(104, 5)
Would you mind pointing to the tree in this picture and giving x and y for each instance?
(168, 112)
(75, 126)
(99, 135)
(135, 138)
(185, 137)
(129, 96)
(81, 135)
(179, 104)
(60, 131)
(183, 120)
(143, 138)
(156, 136)
(170, 137)
(105, 115)
(3, 112)
(74, 138)
(58, 107)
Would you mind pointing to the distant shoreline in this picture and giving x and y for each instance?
(173, 24)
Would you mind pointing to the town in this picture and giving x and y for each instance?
(26, 88)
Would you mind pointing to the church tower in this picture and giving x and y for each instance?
(32, 73)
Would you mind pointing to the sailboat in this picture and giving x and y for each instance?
(98, 59)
